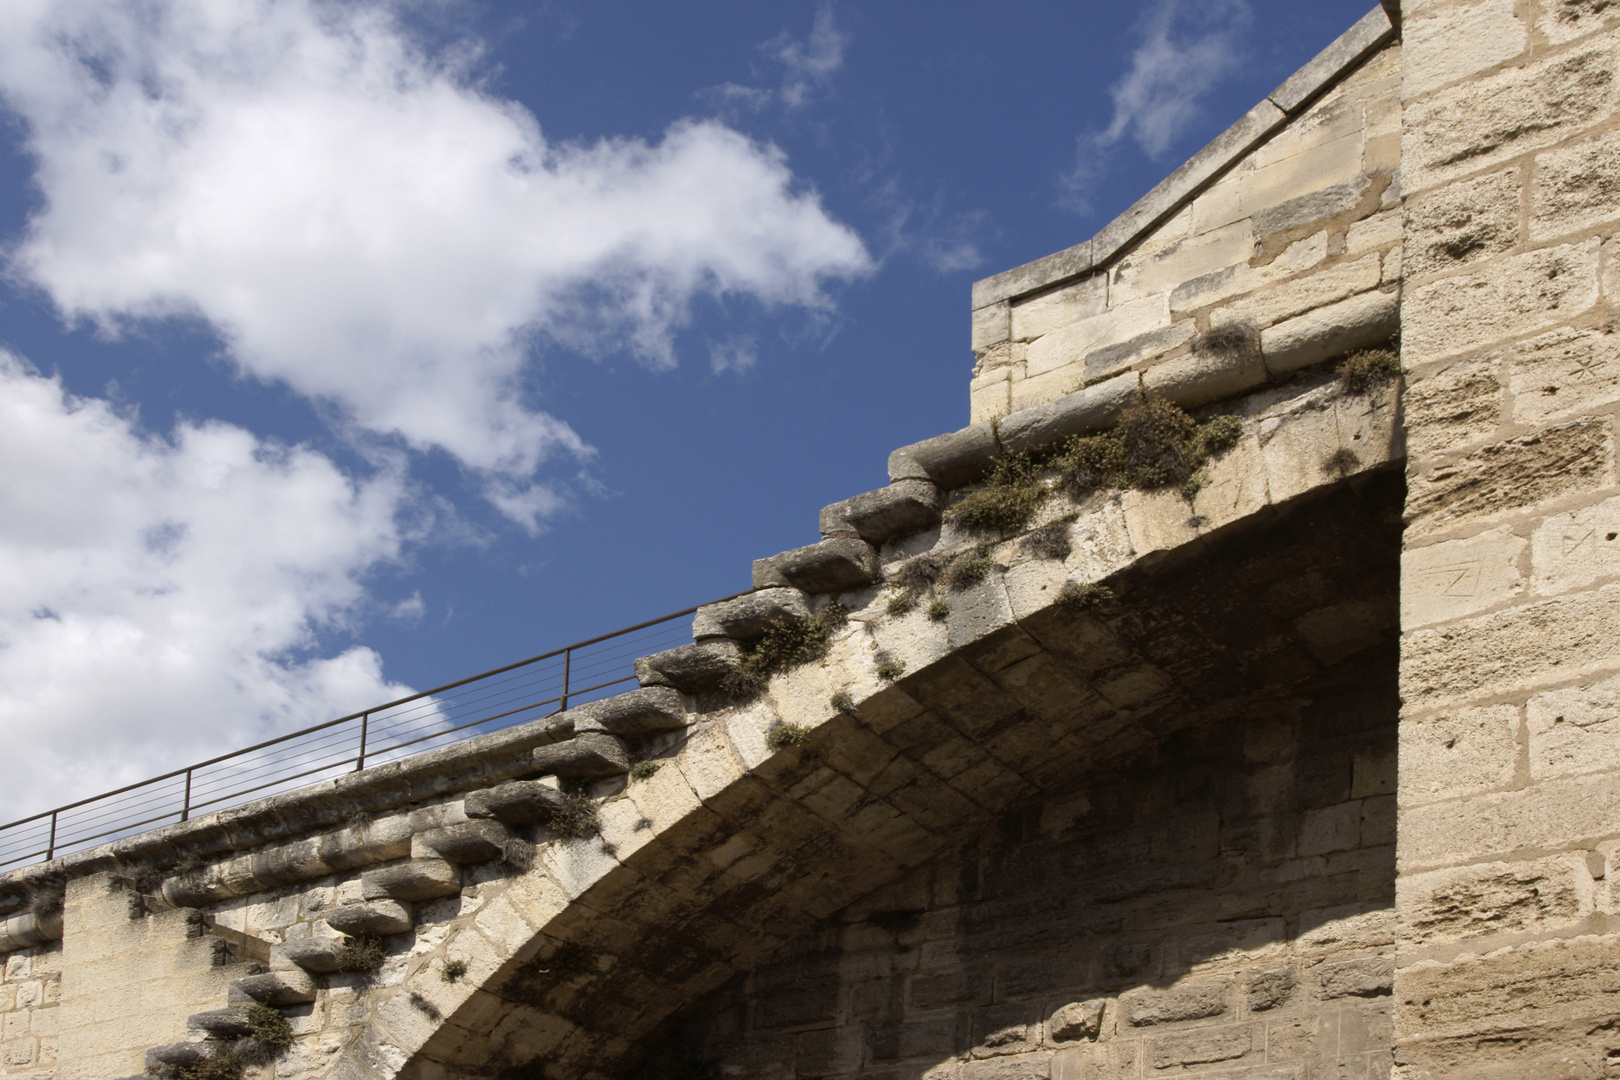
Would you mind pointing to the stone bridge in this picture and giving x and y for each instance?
(1295, 757)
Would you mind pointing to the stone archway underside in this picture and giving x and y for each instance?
(708, 870)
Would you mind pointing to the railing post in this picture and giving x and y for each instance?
(185, 807)
(365, 723)
(568, 656)
(50, 848)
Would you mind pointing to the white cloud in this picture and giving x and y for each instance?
(161, 598)
(362, 222)
(808, 66)
(1187, 50)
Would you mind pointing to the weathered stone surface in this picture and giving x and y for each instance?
(1521, 472)
(1502, 298)
(518, 802)
(588, 755)
(1574, 730)
(1461, 577)
(698, 668)
(419, 879)
(1463, 223)
(1082, 413)
(1112, 359)
(751, 614)
(1562, 372)
(319, 954)
(1040, 314)
(903, 507)
(1357, 323)
(1369, 33)
(292, 987)
(1536, 984)
(1495, 898)
(635, 714)
(1077, 1020)
(1277, 227)
(1444, 44)
(1065, 264)
(383, 918)
(1223, 364)
(227, 1023)
(991, 326)
(1204, 1046)
(948, 460)
(179, 1054)
(1454, 407)
(1190, 1001)
(1576, 187)
(831, 566)
(467, 842)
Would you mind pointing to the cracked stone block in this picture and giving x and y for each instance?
(274, 988)
(904, 506)
(950, 461)
(467, 842)
(383, 918)
(1357, 323)
(179, 1054)
(750, 615)
(1090, 410)
(314, 954)
(519, 802)
(590, 755)
(692, 669)
(229, 1023)
(419, 879)
(635, 714)
(831, 566)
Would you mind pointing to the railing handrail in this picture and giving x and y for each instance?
(360, 713)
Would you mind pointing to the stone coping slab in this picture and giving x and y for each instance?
(1372, 32)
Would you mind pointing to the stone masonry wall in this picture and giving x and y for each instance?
(30, 993)
(1510, 738)
(1218, 905)
(1299, 240)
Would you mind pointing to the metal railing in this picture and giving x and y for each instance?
(491, 701)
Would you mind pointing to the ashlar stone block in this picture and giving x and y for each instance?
(1463, 223)
(1460, 578)
(418, 879)
(1564, 372)
(1574, 730)
(1451, 905)
(1576, 187)
(1441, 45)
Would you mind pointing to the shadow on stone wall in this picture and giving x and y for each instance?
(1222, 901)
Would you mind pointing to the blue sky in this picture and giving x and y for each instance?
(349, 348)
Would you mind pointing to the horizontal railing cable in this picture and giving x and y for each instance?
(490, 701)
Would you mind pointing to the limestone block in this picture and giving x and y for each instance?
(698, 668)
(1068, 345)
(1442, 45)
(1299, 446)
(1452, 408)
(832, 566)
(1235, 484)
(1306, 158)
(1575, 730)
(1158, 520)
(419, 879)
(1564, 372)
(1470, 127)
(948, 460)
(1534, 986)
(751, 614)
(1357, 323)
(767, 576)
(1271, 989)
(181, 1054)
(1036, 1066)
(1107, 1061)
(1576, 187)
(1004, 1029)
(1278, 227)
(1460, 578)
(1040, 314)
(1369, 33)
(635, 714)
(1463, 223)
(468, 842)
(1463, 751)
(990, 396)
(227, 1023)
(1572, 550)
(1061, 266)
(1494, 898)
(315, 954)
(1234, 281)
(1548, 815)
(1567, 20)
(1221, 365)
(588, 755)
(1184, 1001)
(293, 987)
(1206, 1046)
(1111, 359)
(518, 802)
(1506, 476)
(991, 325)
(1137, 277)
(902, 507)
(1330, 828)
(1376, 233)
(1077, 1020)
(1082, 413)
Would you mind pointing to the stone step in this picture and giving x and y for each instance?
(319, 955)
(634, 715)
(906, 506)
(290, 987)
(698, 668)
(832, 566)
(467, 843)
(750, 615)
(590, 755)
(179, 1054)
(227, 1023)
(419, 879)
(518, 802)
(383, 918)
